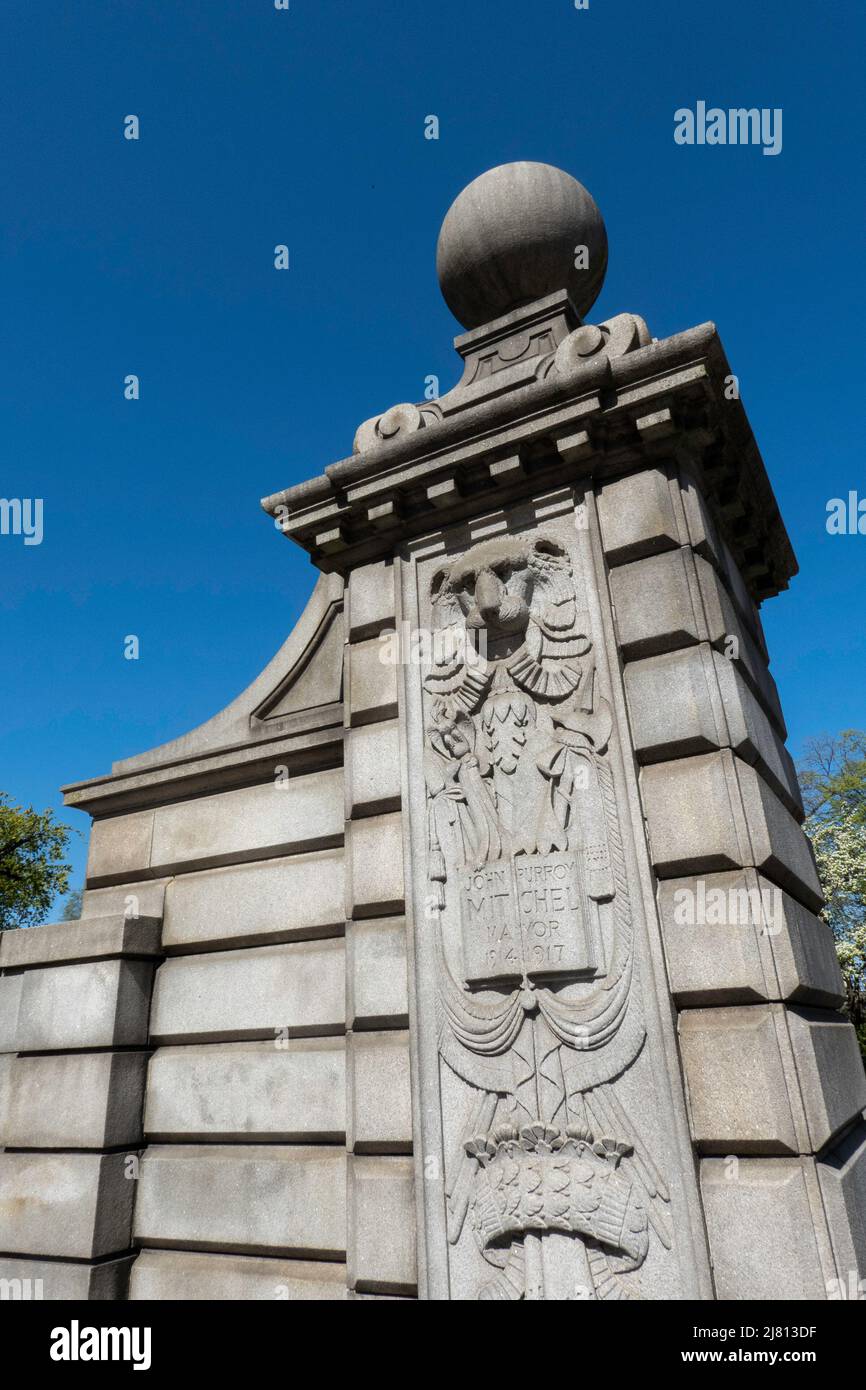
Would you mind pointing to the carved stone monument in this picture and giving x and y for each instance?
(513, 987)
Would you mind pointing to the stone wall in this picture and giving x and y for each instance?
(239, 1125)
(74, 1004)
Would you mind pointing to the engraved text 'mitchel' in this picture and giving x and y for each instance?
(524, 917)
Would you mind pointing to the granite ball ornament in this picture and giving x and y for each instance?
(515, 234)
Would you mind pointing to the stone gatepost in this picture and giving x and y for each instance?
(630, 1078)
(483, 932)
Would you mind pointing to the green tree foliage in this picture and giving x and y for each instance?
(72, 906)
(833, 780)
(32, 863)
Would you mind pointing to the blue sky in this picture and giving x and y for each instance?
(306, 127)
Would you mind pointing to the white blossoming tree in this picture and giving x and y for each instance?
(833, 780)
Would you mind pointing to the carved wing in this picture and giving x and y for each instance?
(556, 610)
(458, 1187)
(446, 605)
(607, 1116)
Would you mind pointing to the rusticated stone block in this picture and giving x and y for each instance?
(733, 938)
(727, 631)
(10, 1001)
(655, 607)
(119, 845)
(694, 815)
(68, 1205)
(753, 738)
(693, 700)
(372, 769)
(305, 812)
(702, 530)
(677, 598)
(711, 927)
(179, 1275)
(829, 1070)
(842, 1175)
(252, 1091)
(376, 979)
(761, 1230)
(272, 991)
(79, 1100)
(804, 954)
(674, 705)
(276, 900)
(371, 682)
(135, 898)
(278, 816)
(779, 846)
(381, 1254)
(637, 516)
(91, 938)
(708, 543)
(247, 1199)
(7, 1061)
(102, 1003)
(770, 1079)
(27, 1280)
(742, 598)
(706, 540)
(379, 1093)
(714, 812)
(735, 1075)
(370, 599)
(375, 857)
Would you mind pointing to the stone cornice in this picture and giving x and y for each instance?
(604, 401)
(297, 743)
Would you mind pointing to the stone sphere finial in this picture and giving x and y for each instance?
(515, 234)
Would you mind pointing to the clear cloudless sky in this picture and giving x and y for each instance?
(306, 127)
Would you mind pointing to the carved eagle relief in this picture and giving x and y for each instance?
(530, 905)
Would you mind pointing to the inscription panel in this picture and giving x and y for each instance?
(523, 916)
